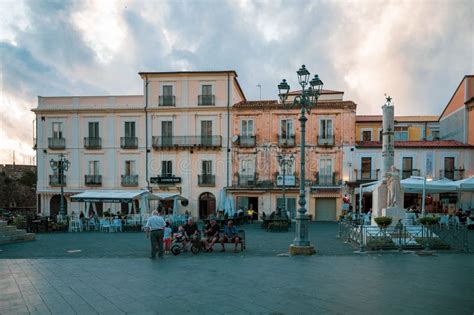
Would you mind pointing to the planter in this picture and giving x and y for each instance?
(383, 222)
(428, 221)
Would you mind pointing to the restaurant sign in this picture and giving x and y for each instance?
(169, 180)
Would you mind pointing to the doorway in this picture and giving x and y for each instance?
(247, 203)
(207, 205)
(55, 204)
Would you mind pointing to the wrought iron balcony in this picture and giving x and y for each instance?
(327, 141)
(129, 142)
(57, 143)
(453, 174)
(367, 176)
(327, 179)
(93, 180)
(409, 173)
(246, 180)
(206, 100)
(159, 142)
(207, 180)
(129, 180)
(288, 141)
(247, 141)
(167, 100)
(55, 180)
(92, 143)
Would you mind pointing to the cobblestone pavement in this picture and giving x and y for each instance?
(111, 274)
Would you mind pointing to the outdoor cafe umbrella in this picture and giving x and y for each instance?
(175, 206)
(221, 201)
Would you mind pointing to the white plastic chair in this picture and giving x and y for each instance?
(444, 220)
(104, 225)
(456, 220)
(117, 225)
(75, 225)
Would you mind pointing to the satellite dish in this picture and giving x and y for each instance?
(235, 139)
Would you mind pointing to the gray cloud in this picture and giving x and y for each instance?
(415, 51)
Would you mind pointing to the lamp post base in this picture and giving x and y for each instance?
(302, 250)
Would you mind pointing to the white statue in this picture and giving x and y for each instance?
(393, 187)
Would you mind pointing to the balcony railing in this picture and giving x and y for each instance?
(129, 180)
(371, 175)
(129, 142)
(186, 141)
(92, 143)
(288, 141)
(206, 100)
(409, 173)
(327, 179)
(167, 100)
(326, 140)
(55, 180)
(93, 180)
(206, 180)
(454, 174)
(57, 143)
(246, 180)
(247, 141)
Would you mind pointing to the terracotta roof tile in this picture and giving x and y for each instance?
(273, 104)
(416, 144)
(323, 91)
(378, 118)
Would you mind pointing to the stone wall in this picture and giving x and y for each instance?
(17, 186)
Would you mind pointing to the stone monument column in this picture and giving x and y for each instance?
(388, 154)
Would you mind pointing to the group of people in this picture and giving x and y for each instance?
(161, 234)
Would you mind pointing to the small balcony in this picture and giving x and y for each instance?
(453, 174)
(56, 180)
(207, 180)
(326, 141)
(92, 143)
(247, 141)
(57, 143)
(93, 180)
(160, 142)
(367, 175)
(327, 179)
(167, 100)
(129, 142)
(206, 100)
(409, 173)
(129, 180)
(246, 180)
(288, 141)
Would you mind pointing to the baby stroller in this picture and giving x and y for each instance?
(178, 244)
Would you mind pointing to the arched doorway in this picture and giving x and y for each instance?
(54, 205)
(207, 205)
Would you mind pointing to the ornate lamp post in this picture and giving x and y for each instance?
(60, 166)
(284, 162)
(308, 97)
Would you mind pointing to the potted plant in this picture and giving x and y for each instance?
(428, 221)
(383, 222)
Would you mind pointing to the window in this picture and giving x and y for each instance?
(206, 128)
(380, 135)
(129, 129)
(94, 129)
(366, 135)
(407, 166)
(206, 167)
(166, 168)
(94, 168)
(129, 168)
(449, 167)
(246, 128)
(167, 90)
(325, 171)
(247, 167)
(207, 89)
(366, 168)
(435, 134)
(167, 132)
(286, 129)
(401, 133)
(325, 129)
(57, 130)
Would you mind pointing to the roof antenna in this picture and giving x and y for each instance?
(260, 87)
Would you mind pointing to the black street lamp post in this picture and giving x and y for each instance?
(308, 97)
(60, 166)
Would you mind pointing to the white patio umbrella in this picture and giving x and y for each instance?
(175, 206)
(466, 184)
(221, 201)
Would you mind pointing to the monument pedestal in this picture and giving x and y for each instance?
(396, 213)
(302, 250)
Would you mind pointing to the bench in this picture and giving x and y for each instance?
(241, 241)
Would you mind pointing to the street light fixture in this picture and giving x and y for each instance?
(60, 166)
(308, 97)
(284, 162)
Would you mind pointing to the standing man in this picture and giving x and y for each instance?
(154, 227)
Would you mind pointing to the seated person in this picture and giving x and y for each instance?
(231, 234)
(211, 235)
(191, 230)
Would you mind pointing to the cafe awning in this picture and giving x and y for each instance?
(415, 185)
(114, 196)
(466, 184)
(168, 196)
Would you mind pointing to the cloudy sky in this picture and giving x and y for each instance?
(416, 51)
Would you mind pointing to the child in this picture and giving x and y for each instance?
(167, 236)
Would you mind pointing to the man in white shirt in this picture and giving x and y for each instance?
(155, 227)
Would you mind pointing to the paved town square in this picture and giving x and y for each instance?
(109, 273)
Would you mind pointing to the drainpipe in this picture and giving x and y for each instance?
(146, 133)
(228, 127)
